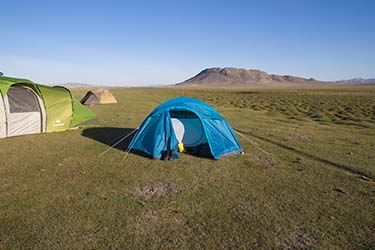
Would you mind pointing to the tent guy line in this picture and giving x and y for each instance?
(117, 143)
(251, 142)
(130, 147)
(319, 159)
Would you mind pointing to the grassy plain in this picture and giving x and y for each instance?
(314, 188)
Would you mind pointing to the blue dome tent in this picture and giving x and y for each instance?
(189, 121)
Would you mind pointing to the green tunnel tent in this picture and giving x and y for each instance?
(30, 108)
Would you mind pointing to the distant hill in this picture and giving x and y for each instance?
(242, 77)
(76, 85)
(357, 80)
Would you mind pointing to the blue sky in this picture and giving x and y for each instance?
(164, 42)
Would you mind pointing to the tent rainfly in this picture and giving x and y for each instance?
(29, 108)
(100, 96)
(201, 129)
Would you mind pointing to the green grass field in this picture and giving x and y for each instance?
(312, 186)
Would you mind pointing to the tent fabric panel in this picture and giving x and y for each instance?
(92, 99)
(86, 97)
(23, 111)
(7, 82)
(147, 136)
(3, 127)
(105, 96)
(186, 103)
(107, 99)
(80, 113)
(42, 112)
(221, 138)
(170, 136)
(24, 123)
(58, 105)
(179, 129)
(22, 100)
(155, 136)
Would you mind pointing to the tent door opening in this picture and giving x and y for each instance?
(90, 98)
(24, 111)
(189, 130)
(187, 127)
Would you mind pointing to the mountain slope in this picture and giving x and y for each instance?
(241, 77)
(357, 80)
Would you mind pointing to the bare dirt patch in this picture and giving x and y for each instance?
(304, 137)
(154, 191)
(265, 160)
(300, 238)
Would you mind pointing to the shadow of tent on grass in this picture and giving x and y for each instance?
(111, 135)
